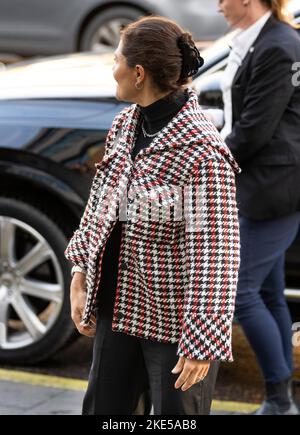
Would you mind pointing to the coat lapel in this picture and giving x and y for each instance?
(244, 65)
(246, 61)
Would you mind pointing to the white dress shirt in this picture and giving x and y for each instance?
(241, 44)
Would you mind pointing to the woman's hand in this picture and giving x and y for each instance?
(78, 300)
(192, 371)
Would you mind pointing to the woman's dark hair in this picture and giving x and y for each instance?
(164, 49)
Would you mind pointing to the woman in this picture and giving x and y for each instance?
(262, 129)
(165, 300)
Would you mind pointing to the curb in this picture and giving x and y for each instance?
(79, 385)
(43, 380)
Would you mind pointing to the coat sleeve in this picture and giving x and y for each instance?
(212, 260)
(77, 248)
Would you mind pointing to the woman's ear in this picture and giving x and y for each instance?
(140, 73)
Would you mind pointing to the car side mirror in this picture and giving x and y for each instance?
(211, 98)
(209, 91)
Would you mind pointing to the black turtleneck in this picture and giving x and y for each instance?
(156, 116)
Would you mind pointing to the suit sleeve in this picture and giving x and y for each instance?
(268, 94)
(212, 261)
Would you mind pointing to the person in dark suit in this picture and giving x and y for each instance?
(262, 129)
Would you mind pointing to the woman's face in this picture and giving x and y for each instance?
(125, 77)
(234, 11)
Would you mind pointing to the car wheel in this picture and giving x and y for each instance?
(35, 317)
(102, 33)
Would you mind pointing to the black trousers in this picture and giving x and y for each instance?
(127, 369)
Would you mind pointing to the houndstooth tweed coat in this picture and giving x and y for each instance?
(179, 257)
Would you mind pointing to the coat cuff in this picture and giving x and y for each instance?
(77, 269)
(77, 249)
(206, 337)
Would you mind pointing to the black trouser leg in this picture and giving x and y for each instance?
(160, 358)
(118, 375)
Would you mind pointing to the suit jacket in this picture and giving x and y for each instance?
(177, 278)
(265, 139)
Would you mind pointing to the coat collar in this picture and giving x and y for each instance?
(189, 125)
(187, 118)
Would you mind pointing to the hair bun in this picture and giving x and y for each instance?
(191, 58)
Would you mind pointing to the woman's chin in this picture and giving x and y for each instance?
(120, 97)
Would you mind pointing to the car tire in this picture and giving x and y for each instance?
(33, 229)
(109, 35)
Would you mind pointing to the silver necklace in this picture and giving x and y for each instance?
(147, 134)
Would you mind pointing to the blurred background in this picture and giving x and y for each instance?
(39, 28)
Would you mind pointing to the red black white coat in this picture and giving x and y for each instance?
(176, 283)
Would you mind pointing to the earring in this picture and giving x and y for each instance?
(139, 88)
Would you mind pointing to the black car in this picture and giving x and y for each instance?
(49, 143)
(54, 118)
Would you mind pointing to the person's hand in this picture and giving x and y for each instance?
(192, 371)
(78, 300)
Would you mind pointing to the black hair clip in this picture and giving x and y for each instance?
(190, 63)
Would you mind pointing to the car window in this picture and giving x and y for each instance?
(59, 113)
(68, 132)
